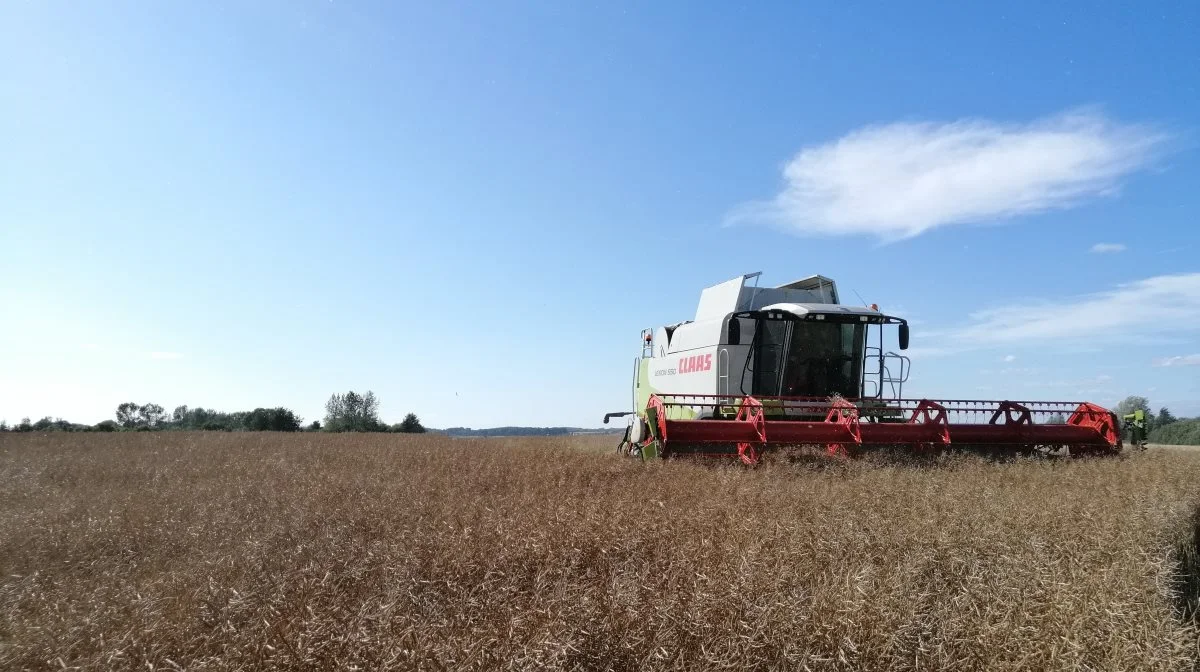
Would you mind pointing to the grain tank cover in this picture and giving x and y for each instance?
(740, 294)
(820, 285)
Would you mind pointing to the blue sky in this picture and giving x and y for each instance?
(473, 210)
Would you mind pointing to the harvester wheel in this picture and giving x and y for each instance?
(749, 454)
(1051, 450)
(624, 446)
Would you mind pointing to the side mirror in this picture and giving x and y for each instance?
(904, 335)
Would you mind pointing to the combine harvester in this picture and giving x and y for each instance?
(763, 367)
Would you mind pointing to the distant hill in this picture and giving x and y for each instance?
(526, 431)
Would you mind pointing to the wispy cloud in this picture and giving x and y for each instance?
(1178, 360)
(165, 355)
(1010, 358)
(1107, 248)
(899, 180)
(1161, 305)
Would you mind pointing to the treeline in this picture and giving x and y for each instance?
(48, 424)
(1179, 433)
(350, 412)
(151, 417)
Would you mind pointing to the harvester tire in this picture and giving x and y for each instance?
(625, 447)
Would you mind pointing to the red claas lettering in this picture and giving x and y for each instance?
(696, 363)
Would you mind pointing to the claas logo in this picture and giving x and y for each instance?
(697, 363)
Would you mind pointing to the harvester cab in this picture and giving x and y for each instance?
(788, 365)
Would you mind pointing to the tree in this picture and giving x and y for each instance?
(198, 418)
(3, 425)
(47, 424)
(133, 416)
(411, 425)
(271, 420)
(352, 412)
(127, 414)
(106, 426)
(25, 426)
(1164, 417)
(315, 426)
(1056, 419)
(150, 415)
(1133, 403)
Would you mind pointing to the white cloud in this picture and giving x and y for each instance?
(1010, 358)
(1161, 305)
(165, 355)
(1106, 248)
(899, 180)
(1178, 360)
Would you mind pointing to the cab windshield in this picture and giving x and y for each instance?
(809, 358)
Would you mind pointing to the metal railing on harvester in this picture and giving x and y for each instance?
(746, 426)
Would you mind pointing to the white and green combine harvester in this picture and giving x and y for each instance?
(792, 365)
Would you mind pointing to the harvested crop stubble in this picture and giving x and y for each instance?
(309, 551)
